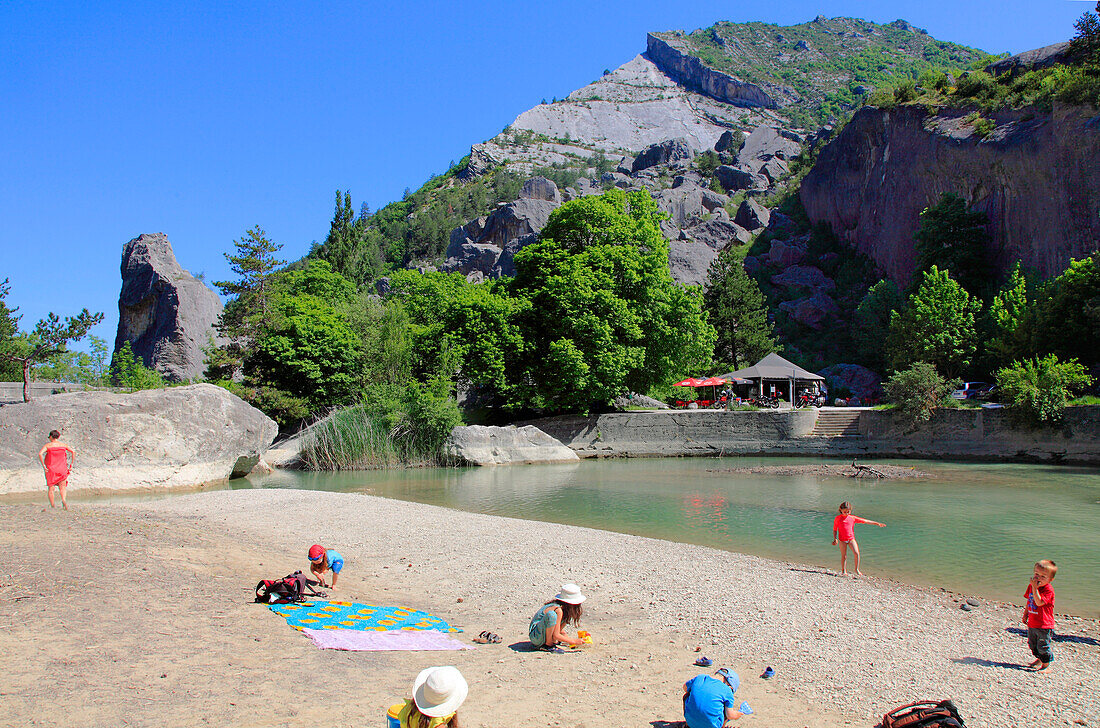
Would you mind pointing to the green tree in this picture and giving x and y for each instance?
(474, 327)
(308, 349)
(128, 371)
(737, 310)
(254, 263)
(89, 368)
(50, 338)
(1008, 312)
(602, 313)
(937, 326)
(917, 391)
(953, 238)
(10, 371)
(1085, 45)
(348, 248)
(1067, 313)
(871, 321)
(1038, 390)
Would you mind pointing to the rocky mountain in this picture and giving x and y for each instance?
(1035, 175)
(164, 312)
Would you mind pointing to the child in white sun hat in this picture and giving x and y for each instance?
(436, 696)
(564, 609)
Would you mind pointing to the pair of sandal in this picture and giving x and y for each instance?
(487, 638)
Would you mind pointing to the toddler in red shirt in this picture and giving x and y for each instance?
(1039, 613)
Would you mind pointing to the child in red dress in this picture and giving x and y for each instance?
(54, 457)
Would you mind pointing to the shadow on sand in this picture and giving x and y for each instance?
(988, 663)
(823, 572)
(1059, 637)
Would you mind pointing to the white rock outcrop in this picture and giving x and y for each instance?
(511, 445)
(163, 438)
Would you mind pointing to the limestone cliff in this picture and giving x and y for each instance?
(165, 313)
(1036, 176)
(673, 57)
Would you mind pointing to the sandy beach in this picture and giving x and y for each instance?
(141, 614)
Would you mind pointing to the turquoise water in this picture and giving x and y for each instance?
(972, 528)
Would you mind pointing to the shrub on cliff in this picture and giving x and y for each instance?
(1038, 390)
(917, 391)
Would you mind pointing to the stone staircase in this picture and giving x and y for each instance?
(837, 423)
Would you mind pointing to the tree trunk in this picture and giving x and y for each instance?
(27, 380)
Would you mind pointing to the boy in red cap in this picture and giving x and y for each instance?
(322, 560)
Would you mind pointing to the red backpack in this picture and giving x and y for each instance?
(924, 714)
(290, 588)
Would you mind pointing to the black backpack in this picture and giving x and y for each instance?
(289, 589)
(925, 714)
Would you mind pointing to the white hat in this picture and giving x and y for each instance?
(438, 691)
(570, 594)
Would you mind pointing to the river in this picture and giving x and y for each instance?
(969, 527)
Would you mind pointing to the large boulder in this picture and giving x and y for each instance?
(857, 379)
(785, 253)
(752, 215)
(166, 314)
(732, 178)
(670, 152)
(804, 276)
(482, 445)
(466, 257)
(764, 143)
(815, 311)
(689, 261)
(540, 188)
(159, 438)
(515, 219)
(506, 264)
(717, 234)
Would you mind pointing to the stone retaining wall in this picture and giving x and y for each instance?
(985, 434)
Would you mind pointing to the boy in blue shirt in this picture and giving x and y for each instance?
(709, 701)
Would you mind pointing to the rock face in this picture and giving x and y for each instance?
(671, 151)
(691, 72)
(859, 380)
(480, 445)
(163, 311)
(1035, 176)
(1044, 57)
(164, 438)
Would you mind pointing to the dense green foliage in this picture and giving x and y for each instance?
(129, 372)
(604, 315)
(348, 248)
(10, 371)
(827, 62)
(1038, 390)
(1065, 316)
(952, 238)
(871, 321)
(393, 425)
(937, 326)
(1007, 338)
(737, 310)
(90, 368)
(917, 391)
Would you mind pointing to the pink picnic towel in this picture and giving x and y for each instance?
(400, 639)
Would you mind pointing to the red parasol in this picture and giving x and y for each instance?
(689, 382)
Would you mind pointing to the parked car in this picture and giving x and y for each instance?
(989, 394)
(970, 390)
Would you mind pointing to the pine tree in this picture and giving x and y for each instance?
(253, 263)
(49, 339)
(737, 312)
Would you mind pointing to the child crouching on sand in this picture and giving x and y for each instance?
(565, 608)
(709, 701)
(1039, 613)
(436, 696)
(322, 560)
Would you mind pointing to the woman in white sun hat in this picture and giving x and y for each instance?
(565, 608)
(437, 694)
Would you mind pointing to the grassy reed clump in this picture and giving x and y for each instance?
(393, 427)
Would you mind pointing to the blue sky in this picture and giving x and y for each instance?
(201, 119)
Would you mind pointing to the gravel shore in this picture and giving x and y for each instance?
(845, 650)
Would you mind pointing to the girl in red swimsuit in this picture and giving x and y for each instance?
(54, 457)
(844, 532)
